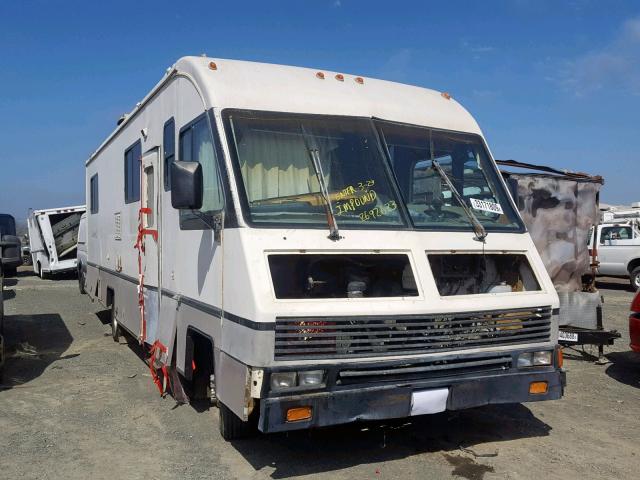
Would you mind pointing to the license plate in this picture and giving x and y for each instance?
(567, 336)
(429, 401)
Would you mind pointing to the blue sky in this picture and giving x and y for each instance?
(555, 83)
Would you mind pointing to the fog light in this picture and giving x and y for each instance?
(298, 414)
(280, 380)
(525, 359)
(542, 358)
(310, 378)
(537, 388)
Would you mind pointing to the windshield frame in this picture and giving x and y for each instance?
(407, 223)
(403, 216)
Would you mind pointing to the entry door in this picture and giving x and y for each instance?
(151, 257)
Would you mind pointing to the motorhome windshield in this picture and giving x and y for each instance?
(276, 154)
(463, 158)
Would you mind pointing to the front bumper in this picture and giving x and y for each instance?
(381, 402)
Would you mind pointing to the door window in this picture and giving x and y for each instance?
(615, 233)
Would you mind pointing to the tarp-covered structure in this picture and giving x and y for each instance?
(560, 210)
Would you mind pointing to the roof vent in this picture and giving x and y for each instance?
(122, 118)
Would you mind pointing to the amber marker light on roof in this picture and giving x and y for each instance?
(320, 75)
(213, 66)
(340, 77)
(359, 80)
(446, 95)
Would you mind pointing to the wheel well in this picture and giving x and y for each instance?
(633, 264)
(198, 351)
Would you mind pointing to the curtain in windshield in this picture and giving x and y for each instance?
(463, 158)
(274, 154)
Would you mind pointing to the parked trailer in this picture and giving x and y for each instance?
(561, 211)
(53, 239)
(1, 321)
(10, 245)
(282, 267)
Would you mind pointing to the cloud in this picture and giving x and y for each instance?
(476, 49)
(397, 65)
(616, 65)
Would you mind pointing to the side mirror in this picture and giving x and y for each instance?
(186, 185)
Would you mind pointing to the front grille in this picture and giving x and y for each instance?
(347, 337)
(424, 370)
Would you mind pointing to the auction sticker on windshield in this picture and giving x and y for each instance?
(486, 206)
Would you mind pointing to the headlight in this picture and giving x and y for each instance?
(542, 358)
(535, 359)
(525, 359)
(313, 377)
(280, 380)
(291, 380)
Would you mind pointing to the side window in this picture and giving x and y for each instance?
(93, 194)
(169, 150)
(196, 145)
(132, 158)
(616, 233)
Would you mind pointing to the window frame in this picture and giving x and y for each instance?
(94, 201)
(165, 163)
(127, 198)
(189, 221)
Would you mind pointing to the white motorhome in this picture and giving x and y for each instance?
(316, 248)
(53, 239)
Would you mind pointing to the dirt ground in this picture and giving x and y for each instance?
(76, 405)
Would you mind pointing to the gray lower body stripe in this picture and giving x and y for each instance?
(193, 303)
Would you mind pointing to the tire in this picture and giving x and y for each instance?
(81, 282)
(116, 330)
(634, 279)
(232, 427)
(10, 272)
(41, 273)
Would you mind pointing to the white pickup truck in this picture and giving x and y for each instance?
(619, 250)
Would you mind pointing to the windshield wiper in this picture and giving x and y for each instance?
(314, 153)
(334, 233)
(479, 230)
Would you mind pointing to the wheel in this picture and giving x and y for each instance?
(41, 273)
(635, 278)
(81, 282)
(116, 330)
(232, 427)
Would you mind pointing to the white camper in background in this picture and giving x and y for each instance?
(315, 248)
(53, 239)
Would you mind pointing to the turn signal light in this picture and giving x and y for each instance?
(298, 414)
(560, 358)
(537, 388)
